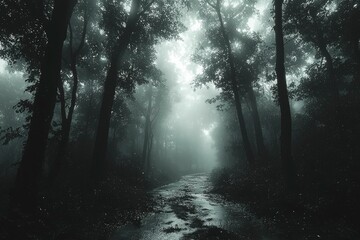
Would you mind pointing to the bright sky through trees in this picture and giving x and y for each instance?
(180, 70)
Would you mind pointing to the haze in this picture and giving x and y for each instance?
(169, 119)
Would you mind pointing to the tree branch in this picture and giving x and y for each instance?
(145, 8)
(211, 4)
(71, 41)
(82, 42)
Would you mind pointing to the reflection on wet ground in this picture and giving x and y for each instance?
(186, 210)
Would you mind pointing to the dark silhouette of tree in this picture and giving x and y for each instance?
(285, 138)
(154, 95)
(102, 133)
(311, 21)
(249, 67)
(231, 83)
(30, 169)
(235, 89)
(163, 23)
(67, 114)
(108, 112)
(148, 134)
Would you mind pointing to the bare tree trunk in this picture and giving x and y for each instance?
(147, 130)
(88, 111)
(257, 125)
(30, 169)
(102, 133)
(148, 160)
(285, 138)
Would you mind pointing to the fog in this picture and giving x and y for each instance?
(190, 119)
(186, 122)
(179, 119)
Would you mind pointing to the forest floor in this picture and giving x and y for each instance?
(187, 210)
(306, 213)
(71, 211)
(195, 207)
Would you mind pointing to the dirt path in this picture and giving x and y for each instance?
(186, 210)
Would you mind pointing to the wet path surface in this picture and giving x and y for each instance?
(185, 210)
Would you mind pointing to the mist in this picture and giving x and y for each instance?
(167, 119)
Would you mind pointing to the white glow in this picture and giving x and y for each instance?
(254, 23)
(231, 3)
(331, 7)
(196, 25)
(206, 132)
(127, 6)
(189, 107)
(309, 60)
(262, 6)
(3, 65)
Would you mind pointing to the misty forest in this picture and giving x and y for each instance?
(180, 119)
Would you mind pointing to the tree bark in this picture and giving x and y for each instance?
(60, 161)
(257, 125)
(286, 131)
(101, 140)
(235, 90)
(148, 160)
(147, 131)
(331, 71)
(88, 115)
(356, 57)
(30, 169)
(354, 41)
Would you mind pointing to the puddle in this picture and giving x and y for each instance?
(185, 210)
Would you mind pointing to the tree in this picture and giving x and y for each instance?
(311, 20)
(285, 138)
(102, 133)
(154, 96)
(67, 114)
(231, 83)
(30, 169)
(163, 22)
(248, 62)
(343, 35)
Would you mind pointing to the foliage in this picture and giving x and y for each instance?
(321, 46)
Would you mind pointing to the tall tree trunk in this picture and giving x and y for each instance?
(60, 160)
(257, 125)
(88, 115)
(234, 85)
(354, 40)
(30, 169)
(356, 57)
(285, 138)
(147, 130)
(101, 140)
(102, 134)
(148, 160)
(330, 71)
(247, 146)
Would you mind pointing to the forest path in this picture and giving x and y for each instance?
(186, 210)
